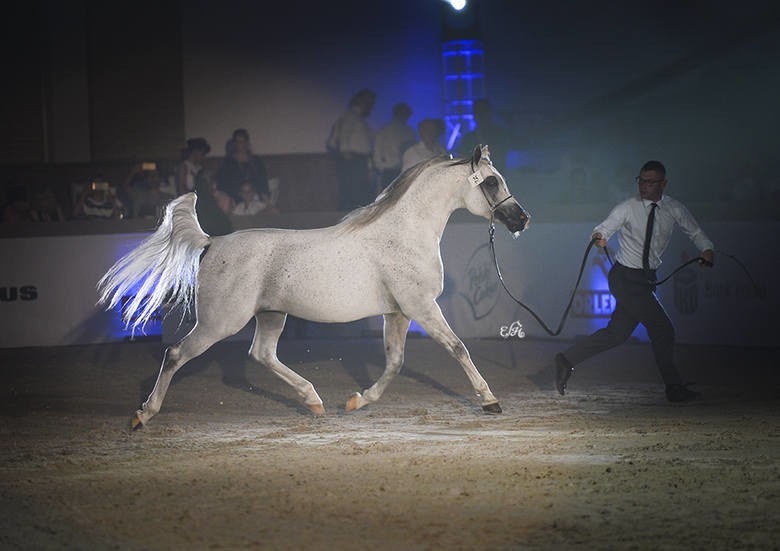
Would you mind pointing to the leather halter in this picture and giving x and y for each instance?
(487, 197)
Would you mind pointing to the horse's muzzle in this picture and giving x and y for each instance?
(513, 216)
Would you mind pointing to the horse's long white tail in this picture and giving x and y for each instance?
(165, 265)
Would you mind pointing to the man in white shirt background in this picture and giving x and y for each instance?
(644, 224)
(351, 141)
(429, 146)
(390, 143)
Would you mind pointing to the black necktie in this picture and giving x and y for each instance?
(648, 237)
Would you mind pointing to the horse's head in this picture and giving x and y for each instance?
(489, 195)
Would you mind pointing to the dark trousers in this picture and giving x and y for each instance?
(355, 186)
(635, 303)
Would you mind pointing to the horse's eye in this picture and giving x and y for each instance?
(491, 181)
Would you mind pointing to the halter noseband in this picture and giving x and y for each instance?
(476, 179)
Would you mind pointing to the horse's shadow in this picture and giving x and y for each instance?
(358, 370)
(232, 359)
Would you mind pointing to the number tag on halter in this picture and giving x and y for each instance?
(476, 179)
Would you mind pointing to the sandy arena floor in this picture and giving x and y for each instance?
(233, 461)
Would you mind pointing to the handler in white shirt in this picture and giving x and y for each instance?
(645, 224)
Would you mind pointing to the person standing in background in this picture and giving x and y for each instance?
(429, 146)
(391, 142)
(191, 164)
(488, 131)
(350, 142)
(240, 166)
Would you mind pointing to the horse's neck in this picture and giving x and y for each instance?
(429, 202)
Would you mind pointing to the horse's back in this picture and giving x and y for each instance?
(321, 274)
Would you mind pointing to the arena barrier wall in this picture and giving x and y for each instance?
(48, 295)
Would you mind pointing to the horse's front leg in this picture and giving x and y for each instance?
(395, 329)
(433, 322)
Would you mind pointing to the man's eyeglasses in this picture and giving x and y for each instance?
(640, 180)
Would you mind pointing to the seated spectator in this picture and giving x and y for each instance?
(17, 206)
(429, 146)
(46, 208)
(241, 165)
(99, 202)
(146, 191)
(250, 203)
(190, 167)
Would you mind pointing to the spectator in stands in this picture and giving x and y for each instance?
(191, 164)
(145, 188)
(350, 142)
(250, 204)
(391, 142)
(98, 202)
(240, 166)
(46, 208)
(191, 176)
(17, 205)
(431, 131)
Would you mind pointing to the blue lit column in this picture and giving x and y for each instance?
(464, 81)
(462, 69)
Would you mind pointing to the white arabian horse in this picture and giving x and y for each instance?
(382, 258)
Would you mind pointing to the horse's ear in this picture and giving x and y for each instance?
(477, 155)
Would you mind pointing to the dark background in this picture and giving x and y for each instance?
(591, 89)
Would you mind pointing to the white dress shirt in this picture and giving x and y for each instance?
(389, 144)
(249, 209)
(419, 152)
(630, 219)
(351, 134)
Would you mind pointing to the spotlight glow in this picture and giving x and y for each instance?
(457, 5)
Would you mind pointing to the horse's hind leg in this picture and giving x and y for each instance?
(433, 322)
(396, 327)
(267, 332)
(209, 329)
(191, 346)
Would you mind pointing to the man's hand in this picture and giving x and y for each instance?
(600, 241)
(707, 258)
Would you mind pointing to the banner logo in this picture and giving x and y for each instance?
(482, 284)
(513, 330)
(25, 293)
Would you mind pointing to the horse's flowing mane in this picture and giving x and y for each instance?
(363, 216)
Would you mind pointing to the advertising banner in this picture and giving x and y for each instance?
(48, 295)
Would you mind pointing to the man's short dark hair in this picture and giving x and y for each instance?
(657, 166)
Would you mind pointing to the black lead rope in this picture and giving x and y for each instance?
(656, 283)
(700, 260)
(557, 332)
(537, 318)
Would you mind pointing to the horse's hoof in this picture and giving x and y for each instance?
(492, 408)
(316, 409)
(135, 423)
(355, 402)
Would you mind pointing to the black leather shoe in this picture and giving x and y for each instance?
(563, 370)
(681, 393)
